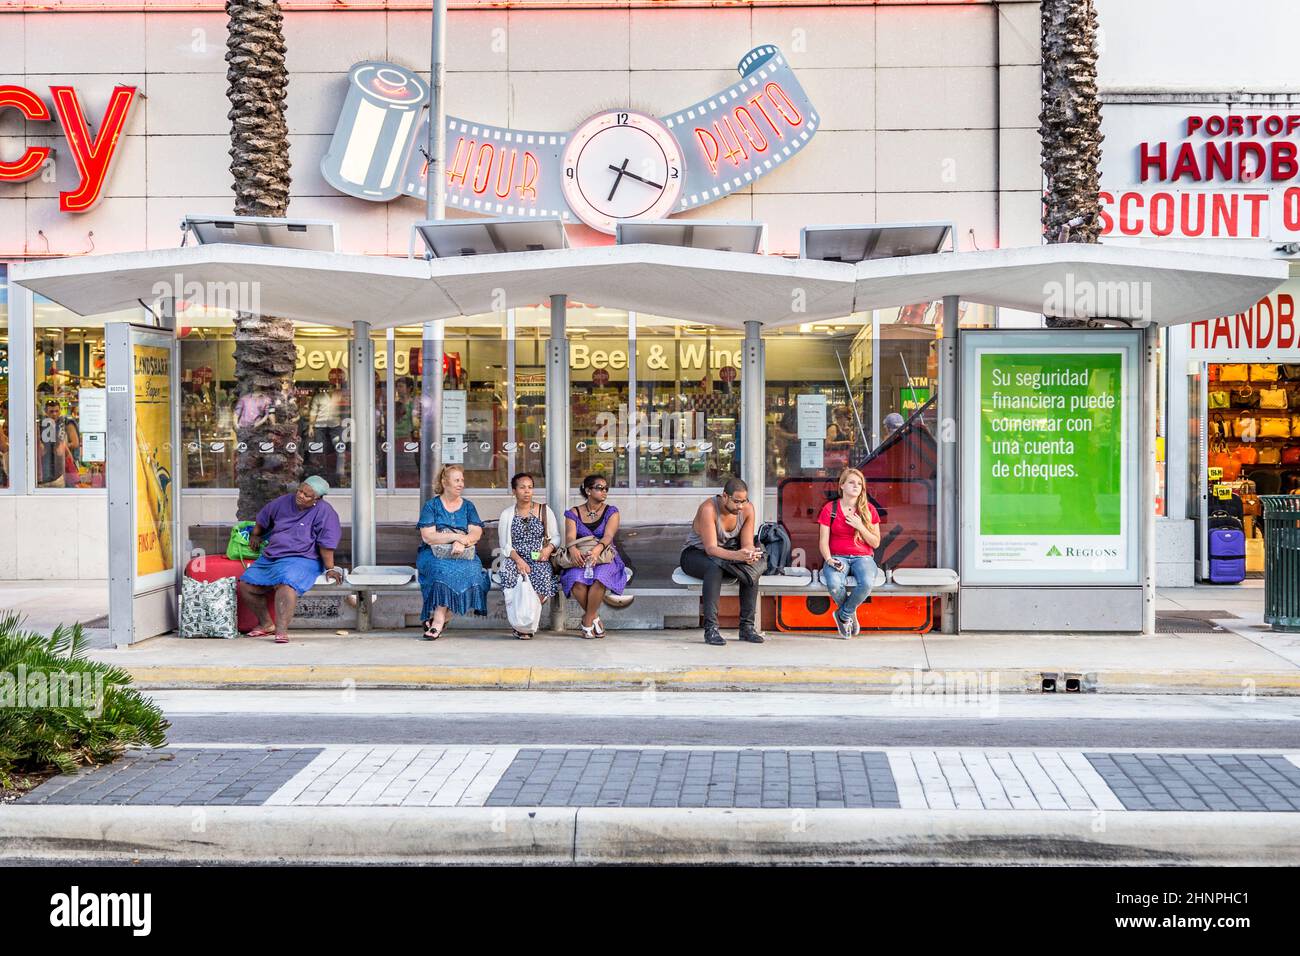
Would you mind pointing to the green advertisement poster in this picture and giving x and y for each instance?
(1051, 449)
(1050, 483)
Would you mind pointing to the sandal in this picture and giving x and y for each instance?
(523, 636)
(431, 633)
(599, 626)
(282, 638)
(588, 633)
(260, 631)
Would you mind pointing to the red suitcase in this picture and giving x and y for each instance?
(213, 567)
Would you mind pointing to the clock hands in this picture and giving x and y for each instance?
(622, 171)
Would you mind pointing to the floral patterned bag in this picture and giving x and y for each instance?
(208, 608)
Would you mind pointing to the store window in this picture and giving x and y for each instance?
(475, 403)
(687, 426)
(600, 363)
(319, 402)
(5, 479)
(71, 409)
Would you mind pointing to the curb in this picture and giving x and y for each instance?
(602, 836)
(967, 683)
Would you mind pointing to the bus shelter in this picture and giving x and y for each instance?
(1021, 412)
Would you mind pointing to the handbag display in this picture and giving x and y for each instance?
(585, 545)
(1291, 456)
(1246, 427)
(1273, 398)
(1252, 506)
(1247, 455)
(1291, 372)
(1220, 398)
(1233, 373)
(1270, 455)
(1220, 427)
(1263, 373)
(1226, 460)
(1275, 428)
(1245, 397)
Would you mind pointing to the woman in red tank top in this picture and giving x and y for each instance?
(849, 535)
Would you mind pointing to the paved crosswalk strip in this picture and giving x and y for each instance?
(622, 776)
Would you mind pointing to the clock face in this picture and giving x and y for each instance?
(621, 165)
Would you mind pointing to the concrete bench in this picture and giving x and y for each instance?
(928, 582)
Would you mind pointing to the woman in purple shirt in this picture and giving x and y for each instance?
(588, 581)
(302, 531)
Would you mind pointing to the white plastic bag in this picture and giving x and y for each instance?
(523, 607)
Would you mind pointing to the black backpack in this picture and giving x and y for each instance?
(775, 540)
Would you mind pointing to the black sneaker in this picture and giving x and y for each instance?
(751, 636)
(713, 636)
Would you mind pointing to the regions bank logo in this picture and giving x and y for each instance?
(1054, 552)
(618, 164)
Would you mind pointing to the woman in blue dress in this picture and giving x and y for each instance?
(588, 581)
(452, 578)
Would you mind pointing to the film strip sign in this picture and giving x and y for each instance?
(727, 141)
(494, 170)
(745, 131)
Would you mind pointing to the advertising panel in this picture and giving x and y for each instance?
(1049, 491)
(155, 511)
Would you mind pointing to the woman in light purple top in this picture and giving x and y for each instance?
(588, 582)
(302, 531)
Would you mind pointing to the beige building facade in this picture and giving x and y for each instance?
(928, 111)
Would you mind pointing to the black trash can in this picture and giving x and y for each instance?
(1282, 561)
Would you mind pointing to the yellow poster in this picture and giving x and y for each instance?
(153, 456)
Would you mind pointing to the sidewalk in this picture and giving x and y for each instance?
(1242, 657)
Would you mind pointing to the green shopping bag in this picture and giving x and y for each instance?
(238, 549)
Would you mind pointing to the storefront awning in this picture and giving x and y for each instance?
(697, 285)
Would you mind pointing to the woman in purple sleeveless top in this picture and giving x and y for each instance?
(588, 582)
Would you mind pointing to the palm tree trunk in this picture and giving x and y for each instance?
(269, 459)
(1070, 126)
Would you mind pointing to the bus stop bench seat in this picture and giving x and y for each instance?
(901, 581)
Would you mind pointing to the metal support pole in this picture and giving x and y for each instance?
(363, 447)
(949, 385)
(1178, 409)
(753, 449)
(557, 429)
(1147, 471)
(430, 407)
(436, 184)
(22, 392)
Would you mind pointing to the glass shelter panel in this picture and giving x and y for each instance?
(687, 426)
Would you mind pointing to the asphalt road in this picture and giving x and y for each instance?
(727, 720)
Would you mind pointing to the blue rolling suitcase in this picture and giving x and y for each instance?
(1227, 555)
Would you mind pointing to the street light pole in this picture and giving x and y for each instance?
(435, 189)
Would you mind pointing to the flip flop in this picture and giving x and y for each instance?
(260, 632)
(282, 638)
